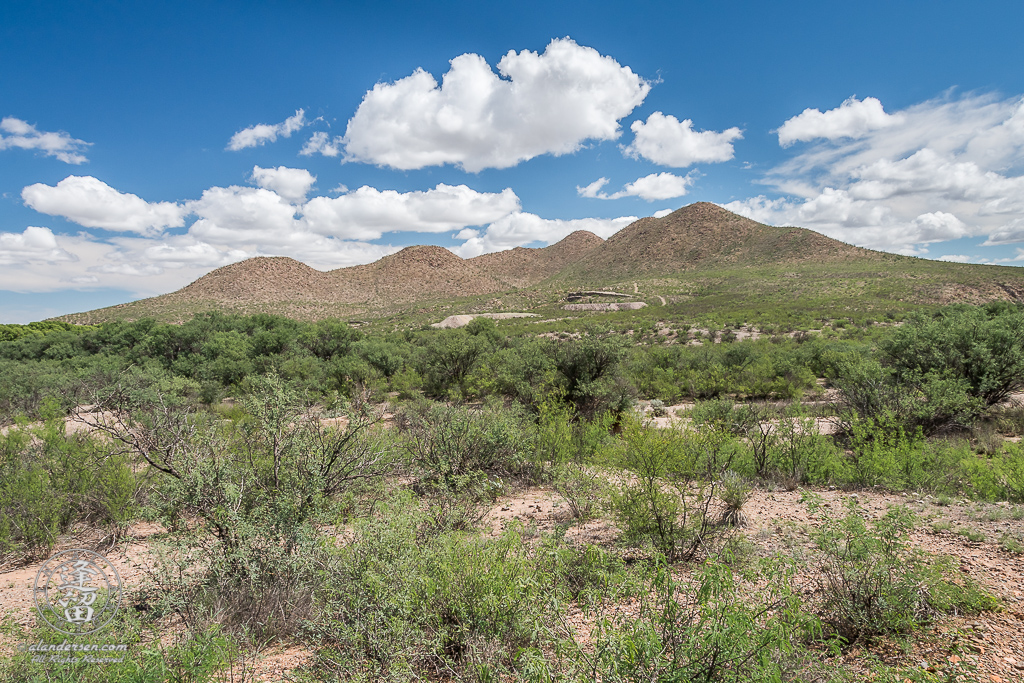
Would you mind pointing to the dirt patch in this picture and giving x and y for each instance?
(453, 321)
(132, 559)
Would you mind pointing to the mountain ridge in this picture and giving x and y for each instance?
(701, 240)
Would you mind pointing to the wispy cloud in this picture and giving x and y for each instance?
(939, 170)
(653, 187)
(262, 133)
(18, 134)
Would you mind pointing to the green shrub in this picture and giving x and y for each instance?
(1010, 468)
(573, 570)
(448, 359)
(734, 492)
(445, 442)
(716, 414)
(663, 500)
(588, 374)
(459, 457)
(151, 655)
(707, 630)
(874, 583)
(971, 535)
(797, 454)
(583, 486)
(981, 346)
(1011, 544)
(883, 453)
(251, 494)
(396, 604)
(50, 480)
(577, 451)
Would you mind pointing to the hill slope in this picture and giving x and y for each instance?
(416, 274)
(701, 256)
(704, 236)
(262, 279)
(522, 267)
(413, 274)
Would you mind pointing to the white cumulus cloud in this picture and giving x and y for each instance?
(94, 204)
(236, 215)
(656, 186)
(18, 134)
(667, 141)
(262, 133)
(234, 223)
(291, 183)
(367, 213)
(549, 103)
(852, 119)
(33, 245)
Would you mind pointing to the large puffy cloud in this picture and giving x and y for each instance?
(852, 119)
(667, 141)
(262, 133)
(239, 222)
(15, 133)
(176, 255)
(521, 228)
(548, 103)
(94, 204)
(651, 187)
(291, 183)
(939, 170)
(244, 215)
(367, 212)
(33, 245)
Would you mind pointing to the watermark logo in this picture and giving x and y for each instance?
(77, 592)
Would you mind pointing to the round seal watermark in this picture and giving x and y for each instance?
(77, 592)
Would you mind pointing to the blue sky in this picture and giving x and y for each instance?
(145, 144)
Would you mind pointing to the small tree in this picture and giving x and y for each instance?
(961, 361)
(588, 374)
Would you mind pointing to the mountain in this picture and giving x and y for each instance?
(701, 255)
(416, 274)
(262, 279)
(523, 267)
(413, 274)
(705, 236)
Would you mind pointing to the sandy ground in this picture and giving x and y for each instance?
(453, 321)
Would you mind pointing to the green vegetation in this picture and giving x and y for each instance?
(874, 583)
(296, 512)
